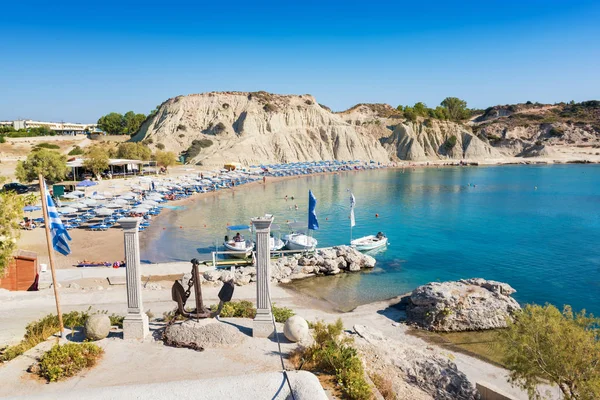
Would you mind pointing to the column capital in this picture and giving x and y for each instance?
(129, 223)
(262, 223)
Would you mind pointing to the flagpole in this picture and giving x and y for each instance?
(51, 254)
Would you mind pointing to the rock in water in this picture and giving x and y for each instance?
(295, 329)
(465, 305)
(97, 326)
(205, 333)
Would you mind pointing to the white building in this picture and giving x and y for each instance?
(65, 128)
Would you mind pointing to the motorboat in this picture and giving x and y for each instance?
(275, 243)
(365, 243)
(370, 242)
(237, 245)
(298, 239)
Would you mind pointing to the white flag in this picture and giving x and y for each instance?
(352, 203)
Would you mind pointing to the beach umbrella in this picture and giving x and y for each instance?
(139, 210)
(86, 183)
(89, 202)
(145, 179)
(70, 196)
(112, 205)
(66, 210)
(31, 208)
(97, 197)
(104, 211)
(77, 192)
(150, 202)
(120, 201)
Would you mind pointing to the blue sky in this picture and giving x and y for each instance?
(76, 61)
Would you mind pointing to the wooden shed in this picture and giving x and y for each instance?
(22, 273)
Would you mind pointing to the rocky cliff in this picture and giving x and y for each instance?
(259, 127)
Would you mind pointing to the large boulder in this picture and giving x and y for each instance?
(465, 305)
(97, 326)
(296, 329)
(416, 372)
(202, 334)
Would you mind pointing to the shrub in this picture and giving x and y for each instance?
(333, 354)
(181, 127)
(76, 151)
(308, 102)
(67, 360)
(225, 106)
(197, 146)
(160, 146)
(45, 145)
(384, 386)
(38, 331)
(556, 132)
(181, 135)
(538, 142)
(245, 309)
(220, 127)
(2, 139)
(282, 314)
(269, 107)
(450, 143)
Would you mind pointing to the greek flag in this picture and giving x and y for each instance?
(352, 204)
(60, 236)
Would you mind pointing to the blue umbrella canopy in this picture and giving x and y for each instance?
(31, 208)
(238, 228)
(86, 183)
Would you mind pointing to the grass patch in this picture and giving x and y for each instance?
(45, 145)
(333, 354)
(483, 345)
(384, 386)
(67, 360)
(38, 331)
(76, 151)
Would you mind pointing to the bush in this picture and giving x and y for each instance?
(245, 309)
(76, 151)
(450, 143)
(556, 132)
(269, 107)
(67, 360)
(220, 127)
(181, 135)
(2, 139)
(160, 146)
(45, 145)
(333, 354)
(181, 127)
(38, 331)
(384, 386)
(197, 146)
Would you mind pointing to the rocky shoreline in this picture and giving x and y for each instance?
(328, 261)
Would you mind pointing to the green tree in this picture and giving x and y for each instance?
(96, 160)
(545, 345)
(112, 123)
(165, 158)
(420, 109)
(11, 212)
(132, 122)
(457, 108)
(49, 163)
(134, 151)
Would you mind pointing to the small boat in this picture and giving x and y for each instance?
(365, 243)
(240, 247)
(275, 243)
(298, 239)
(371, 242)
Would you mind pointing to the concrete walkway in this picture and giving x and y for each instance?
(268, 386)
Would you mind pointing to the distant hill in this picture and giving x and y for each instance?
(253, 127)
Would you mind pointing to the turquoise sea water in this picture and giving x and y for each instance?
(443, 224)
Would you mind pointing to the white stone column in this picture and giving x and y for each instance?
(263, 322)
(135, 324)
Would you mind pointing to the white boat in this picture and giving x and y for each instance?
(275, 243)
(371, 242)
(241, 247)
(300, 241)
(365, 243)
